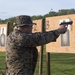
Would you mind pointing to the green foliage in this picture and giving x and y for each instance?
(37, 17)
(12, 20)
(60, 12)
(50, 14)
(66, 12)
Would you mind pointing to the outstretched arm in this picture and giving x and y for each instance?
(37, 39)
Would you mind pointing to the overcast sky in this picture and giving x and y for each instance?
(11, 8)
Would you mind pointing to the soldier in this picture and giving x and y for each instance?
(21, 52)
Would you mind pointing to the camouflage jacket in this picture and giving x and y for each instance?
(21, 52)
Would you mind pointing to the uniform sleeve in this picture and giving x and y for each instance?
(37, 39)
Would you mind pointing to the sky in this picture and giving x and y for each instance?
(12, 8)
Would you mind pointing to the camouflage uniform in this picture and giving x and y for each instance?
(21, 52)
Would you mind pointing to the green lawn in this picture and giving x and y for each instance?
(61, 64)
(2, 63)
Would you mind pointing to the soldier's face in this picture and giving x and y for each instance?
(28, 29)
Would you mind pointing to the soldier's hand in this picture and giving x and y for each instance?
(62, 29)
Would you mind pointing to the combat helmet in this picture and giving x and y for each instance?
(23, 20)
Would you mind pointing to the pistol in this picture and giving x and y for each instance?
(66, 22)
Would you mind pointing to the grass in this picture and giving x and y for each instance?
(61, 64)
(2, 63)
